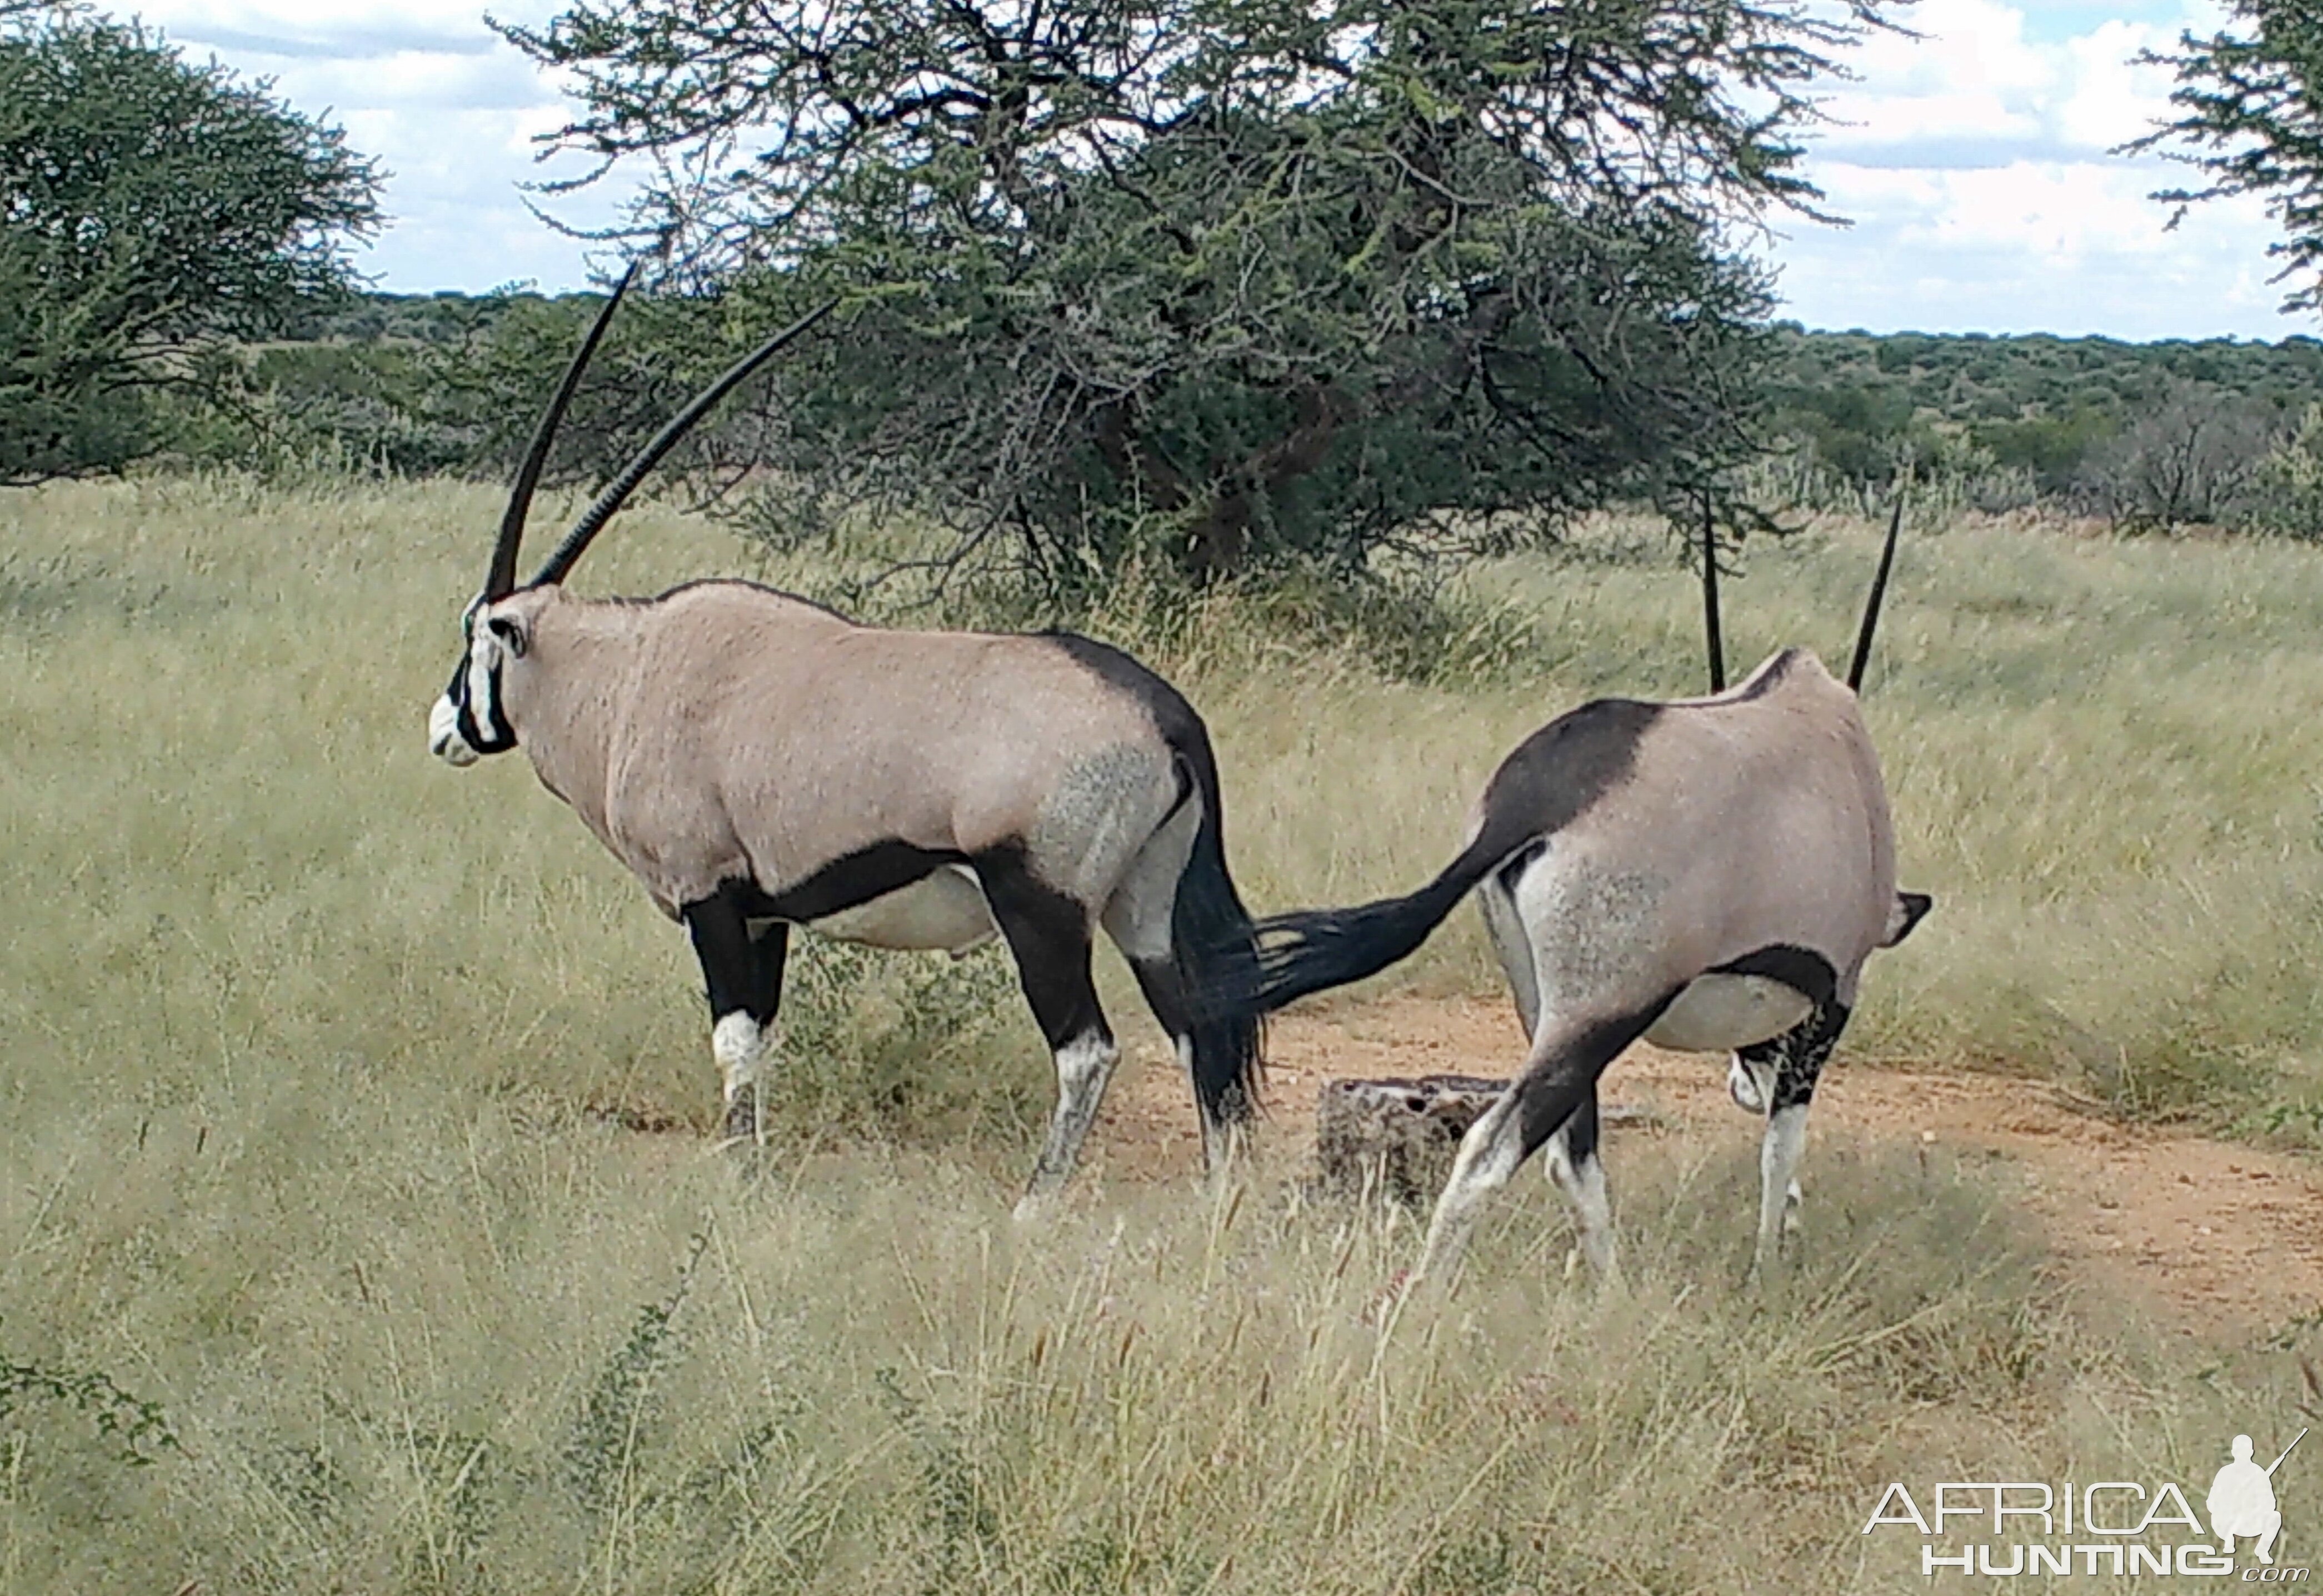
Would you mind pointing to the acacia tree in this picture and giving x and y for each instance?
(2250, 105)
(1226, 279)
(149, 209)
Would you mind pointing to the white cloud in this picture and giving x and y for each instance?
(1978, 170)
(1974, 160)
(449, 110)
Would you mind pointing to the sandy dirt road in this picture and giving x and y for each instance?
(2217, 1234)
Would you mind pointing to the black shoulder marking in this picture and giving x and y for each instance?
(1561, 771)
(1118, 669)
(845, 881)
(1802, 970)
(746, 586)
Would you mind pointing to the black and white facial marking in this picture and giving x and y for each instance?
(468, 721)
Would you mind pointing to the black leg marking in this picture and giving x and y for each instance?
(1560, 1075)
(1050, 935)
(1798, 1056)
(1580, 1129)
(722, 941)
(1554, 1086)
(742, 973)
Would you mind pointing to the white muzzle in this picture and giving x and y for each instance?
(444, 738)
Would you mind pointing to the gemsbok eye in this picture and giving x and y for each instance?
(509, 634)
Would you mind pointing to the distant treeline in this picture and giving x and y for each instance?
(2148, 436)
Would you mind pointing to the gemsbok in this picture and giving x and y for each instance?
(759, 762)
(1708, 873)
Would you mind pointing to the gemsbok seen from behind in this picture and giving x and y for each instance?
(1708, 873)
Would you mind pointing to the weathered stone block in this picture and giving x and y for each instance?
(1396, 1137)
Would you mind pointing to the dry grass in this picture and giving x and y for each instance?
(304, 1031)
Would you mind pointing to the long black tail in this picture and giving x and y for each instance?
(1316, 950)
(1214, 946)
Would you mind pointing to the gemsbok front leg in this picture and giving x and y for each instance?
(742, 969)
(1779, 1076)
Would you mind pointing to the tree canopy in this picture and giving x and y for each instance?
(2250, 116)
(149, 207)
(1224, 279)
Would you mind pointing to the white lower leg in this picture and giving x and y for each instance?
(1584, 1186)
(1489, 1154)
(1084, 1066)
(1778, 1158)
(738, 1042)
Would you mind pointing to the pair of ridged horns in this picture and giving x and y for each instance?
(500, 578)
(1863, 633)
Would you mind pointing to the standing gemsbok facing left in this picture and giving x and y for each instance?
(1708, 873)
(759, 762)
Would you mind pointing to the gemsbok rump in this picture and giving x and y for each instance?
(1708, 873)
(759, 762)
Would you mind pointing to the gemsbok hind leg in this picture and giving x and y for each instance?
(1567, 1056)
(1165, 994)
(1048, 933)
(742, 969)
(1783, 1073)
(1574, 1165)
(1572, 1162)
(1139, 918)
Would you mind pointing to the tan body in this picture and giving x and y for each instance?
(759, 762)
(786, 750)
(1709, 874)
(1777, 780)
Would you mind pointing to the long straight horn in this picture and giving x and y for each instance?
(593, 520)
(502, 576)
(1710, 599)
(1871, 607)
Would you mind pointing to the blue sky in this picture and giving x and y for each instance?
(1972, 160)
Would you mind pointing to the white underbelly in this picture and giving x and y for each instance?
(1718, 1014)
(943, 909)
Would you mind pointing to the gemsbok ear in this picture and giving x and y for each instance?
(1911, 908)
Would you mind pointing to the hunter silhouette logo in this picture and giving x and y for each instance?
(2241, 1502)
(2105, 1527)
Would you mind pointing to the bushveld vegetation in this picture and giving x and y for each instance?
(2143, 437)
(325, 1196)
